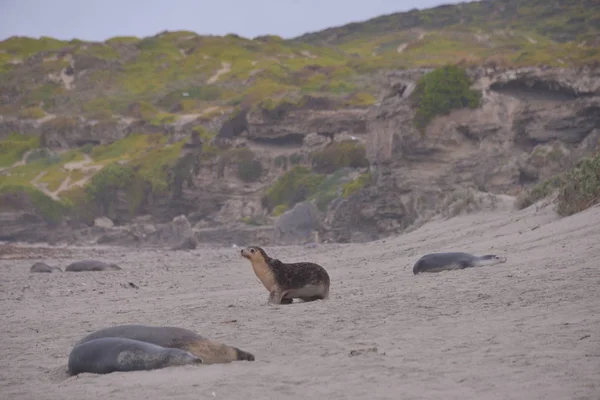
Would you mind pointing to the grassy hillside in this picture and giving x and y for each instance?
(170, 75)
(182, 72)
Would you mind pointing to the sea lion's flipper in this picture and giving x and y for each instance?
(276, 296)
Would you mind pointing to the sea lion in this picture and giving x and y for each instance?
(43, 267)
(111, 354)
(286, 281)
(437, 262)
(211, 352)
(91, 265)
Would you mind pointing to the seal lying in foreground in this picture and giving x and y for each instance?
(437, 262)
(210, 352)
(106, 355)
(304, 280)
(91, 265)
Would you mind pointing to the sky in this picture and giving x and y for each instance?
(98, 20)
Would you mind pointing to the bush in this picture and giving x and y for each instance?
(296, 185)
(441, 91)
(102, 190)
(352, 187)
(339, 155)
(581, 187)
(578, 188)
(19, 197)
(538, 192)
(249, 169)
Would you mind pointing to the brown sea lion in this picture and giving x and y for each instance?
(286, 281)
(211, 352)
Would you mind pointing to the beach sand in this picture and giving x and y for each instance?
(527, 329)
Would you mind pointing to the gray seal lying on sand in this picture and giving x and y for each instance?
(91, 265)
(286, 281)
(111, 354)
(43, 267)
(437, 262)
(211, 352)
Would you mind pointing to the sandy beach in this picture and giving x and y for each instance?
(527, 329)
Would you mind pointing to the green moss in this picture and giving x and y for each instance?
(296, 185)
(13, 147)
(441, 91)
(358, 184)
(347, 153)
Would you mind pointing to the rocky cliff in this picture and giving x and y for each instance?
(532, 124)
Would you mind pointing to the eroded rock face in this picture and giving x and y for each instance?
(299, 225)
(532, 124)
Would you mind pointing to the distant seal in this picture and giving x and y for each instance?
(211, 352)
(43, 267)
(111, 354)
(437, 262)
(286, 281)
(91, 265)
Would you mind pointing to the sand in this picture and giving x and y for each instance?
(527, 329)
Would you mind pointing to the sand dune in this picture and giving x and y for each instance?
(527, 329)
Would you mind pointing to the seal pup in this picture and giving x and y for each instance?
(286, 281)
(437, 262)
(43, 267)
(91, 265)
(111, 354)
(211, 352)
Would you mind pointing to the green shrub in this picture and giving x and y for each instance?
(538, 192)
(581, 187)
(249, 169)
(296, 185)
(441, 91)
(329, 189)
(347, 153)
(359, 183)
(578, 188)
(51, 210)
(102, 190)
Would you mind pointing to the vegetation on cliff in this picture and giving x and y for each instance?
(576, 189)
(442, 90)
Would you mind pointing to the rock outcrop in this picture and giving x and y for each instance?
(532, 124)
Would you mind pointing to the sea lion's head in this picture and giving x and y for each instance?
(254, 253)
(493, 259)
